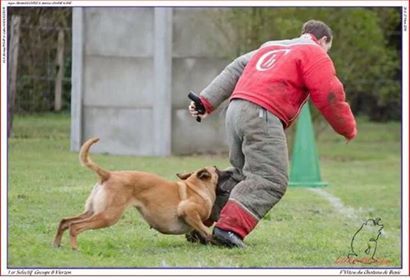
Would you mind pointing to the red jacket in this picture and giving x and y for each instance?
(282, 75)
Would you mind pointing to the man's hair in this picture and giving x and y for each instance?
(318, 29)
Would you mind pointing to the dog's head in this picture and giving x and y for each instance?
(207, 175)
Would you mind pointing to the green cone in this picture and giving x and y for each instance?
(305, 171)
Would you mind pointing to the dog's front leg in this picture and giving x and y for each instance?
(190, 213)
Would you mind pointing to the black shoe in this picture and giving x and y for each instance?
(227, 238)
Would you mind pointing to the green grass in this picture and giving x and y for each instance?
(47, 183)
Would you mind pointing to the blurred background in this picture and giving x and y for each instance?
(123, 74)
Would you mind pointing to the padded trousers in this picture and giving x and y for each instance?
(258, 150)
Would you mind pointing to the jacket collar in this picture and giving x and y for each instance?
(310, 36)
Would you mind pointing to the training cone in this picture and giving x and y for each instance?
(304, 170)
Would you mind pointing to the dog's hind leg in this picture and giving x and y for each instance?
(65, 223)
(103, 219)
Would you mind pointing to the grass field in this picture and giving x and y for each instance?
(305, 229)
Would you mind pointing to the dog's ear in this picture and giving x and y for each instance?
(203, 174)
(184, 176)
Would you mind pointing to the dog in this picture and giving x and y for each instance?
(169, 207)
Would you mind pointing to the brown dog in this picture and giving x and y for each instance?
(169, 207)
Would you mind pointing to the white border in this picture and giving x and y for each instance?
(207, 271)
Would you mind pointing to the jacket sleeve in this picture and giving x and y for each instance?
(223, 85)
(327, 94)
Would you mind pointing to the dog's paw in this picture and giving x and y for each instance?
(195, 237)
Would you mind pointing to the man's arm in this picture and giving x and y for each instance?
(327, 94)
(223, 85)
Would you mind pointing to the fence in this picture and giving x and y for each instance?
(39, 65)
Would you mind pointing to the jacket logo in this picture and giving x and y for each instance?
(268, 60)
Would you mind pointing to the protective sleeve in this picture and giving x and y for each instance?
(223, 85)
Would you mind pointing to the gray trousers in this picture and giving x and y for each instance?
(258, 150)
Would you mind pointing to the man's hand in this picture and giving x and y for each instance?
(348, 139)
(193, 111)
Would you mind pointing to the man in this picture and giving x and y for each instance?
(267, 89)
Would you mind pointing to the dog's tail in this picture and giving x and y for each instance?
(86, 161)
